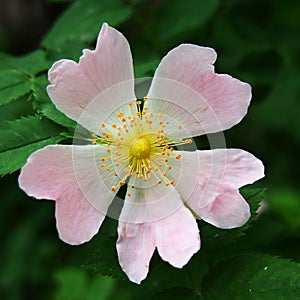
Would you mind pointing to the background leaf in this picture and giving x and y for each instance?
(90, 14)
(181, 293)
(253, 277)
(75, 284)
(45, 106)
(13, 85)
(21, 137)
(103, 260)
(181, 16)
(256, 41)
(29, 64)
(16, 74)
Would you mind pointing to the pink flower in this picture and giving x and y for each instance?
(134, 143)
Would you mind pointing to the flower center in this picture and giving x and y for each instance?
(140, 148)
(140, 151)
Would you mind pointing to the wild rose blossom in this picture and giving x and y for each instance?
(137, 143)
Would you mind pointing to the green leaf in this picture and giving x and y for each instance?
(16, 109)
(286, 204)
(146, 68)
(175, 293)
(75, 284)
(21, 137)
(104, 260)
(275, 115)
(90, 14)
(63, 50)
(45, 106)
(180, 16)
(162, 276)
(12, 86)
(254, 196)
(16, 74)
(30, 64)
(253, 277)
(59, 1)
(135, 2)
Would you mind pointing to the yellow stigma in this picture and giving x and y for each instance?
(140, 148)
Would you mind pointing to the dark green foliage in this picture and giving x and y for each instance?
(253, 276)
(180, 17)
(12, 86)
(29, 65)
(103, 260)
(74, 283)
(45, 106)
(21, 137)
(16, 74)
(82, 21)
(257, 42)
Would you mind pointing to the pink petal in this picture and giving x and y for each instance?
(98, 84)
(204, 102)
(77, 221)
(228, 210)
(174, 232)
(68, 174)
(204, 173)
(237, 167)
(147, 205)
(177, 237)
(135, 248)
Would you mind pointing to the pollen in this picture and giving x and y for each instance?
(138, 147)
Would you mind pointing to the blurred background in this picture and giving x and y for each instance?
(257, 41)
